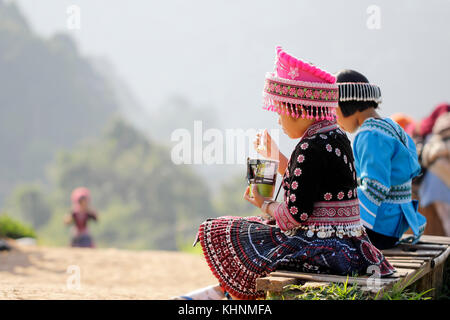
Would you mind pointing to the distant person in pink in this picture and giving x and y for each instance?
(79, 217)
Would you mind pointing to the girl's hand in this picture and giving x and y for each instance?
(67, 219)
(257, 199)
(265, 146)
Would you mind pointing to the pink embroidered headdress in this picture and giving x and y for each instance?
(295, 85)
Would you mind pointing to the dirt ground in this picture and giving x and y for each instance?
(33, 272)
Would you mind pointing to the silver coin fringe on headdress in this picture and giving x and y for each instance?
(359, 91)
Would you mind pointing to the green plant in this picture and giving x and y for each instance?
(344, 291)
(28, 202)
(333, 291)
(399, 291)
(11, 228)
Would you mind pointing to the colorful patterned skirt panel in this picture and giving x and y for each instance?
(240, 250)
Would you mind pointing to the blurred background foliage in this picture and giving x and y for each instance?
(65, 123)
(14, 229)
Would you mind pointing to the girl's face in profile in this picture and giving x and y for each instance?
(292, 127)
(287, 124)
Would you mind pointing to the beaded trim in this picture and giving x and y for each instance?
(359, 91)
(297, 94)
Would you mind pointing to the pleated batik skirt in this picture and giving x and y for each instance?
(240, 250)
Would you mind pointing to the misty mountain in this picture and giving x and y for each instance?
(216, 53)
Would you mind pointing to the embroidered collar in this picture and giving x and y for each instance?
(320, 127)
(384, 126)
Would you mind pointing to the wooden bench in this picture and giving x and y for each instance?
(422, 264)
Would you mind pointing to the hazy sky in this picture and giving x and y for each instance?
(217, 52)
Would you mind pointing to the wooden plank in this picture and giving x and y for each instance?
(437, 280)
(406, 265)
(275, 292)
(402, 272)
(441, 258)
(313, 285)
(274, 284)
(409, 258)
(399, 252)
(422, 246)
(327, 278)
(408, 261)
(392, 276)
(433, 239)
(408, 277)
(424, 283)
(434, 278)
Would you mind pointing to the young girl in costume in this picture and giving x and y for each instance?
(316, 228)
(385, 162)
(80, 216)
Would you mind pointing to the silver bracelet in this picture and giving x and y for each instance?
(265, 207)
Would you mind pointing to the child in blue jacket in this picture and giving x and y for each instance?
(385, 161)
